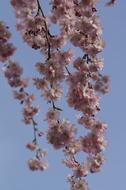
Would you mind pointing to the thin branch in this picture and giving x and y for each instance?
(56, 108)
(68, 70)
(47, 33)
(35, 129)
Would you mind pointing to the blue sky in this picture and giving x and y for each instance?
(14, 173)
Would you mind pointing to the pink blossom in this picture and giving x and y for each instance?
(61, 134)
(29, 113)
(53, 94)
(19, 95)
(81, 170)
(72, 148)
(52, 115)
(82, 97)
(13, 73)
(81, 65)
(34, 32)
(23, 8)
(95, 162)
(86, 121)
(4, 33)
(99, 128)
(102, 84)
(6, 49)
(40, 83)
(37, 164)
(31, 146)
(96, 126)
(70, 163)
(93, 143)
(77, 183)
(58, 41)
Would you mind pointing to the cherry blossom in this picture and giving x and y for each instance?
(93, 143)
(6, 48)
(60, 133)
(62, 75)
(95, 162)
(77, 183)
(37, 164)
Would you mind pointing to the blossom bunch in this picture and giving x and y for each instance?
(6, 48)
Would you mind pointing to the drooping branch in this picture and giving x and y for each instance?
(79, 25)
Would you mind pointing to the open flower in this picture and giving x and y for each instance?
(37, 164)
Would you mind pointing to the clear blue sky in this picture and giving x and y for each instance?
(14, 173)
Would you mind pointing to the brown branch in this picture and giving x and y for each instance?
(68, 70)
(56, 108)
(47, 33)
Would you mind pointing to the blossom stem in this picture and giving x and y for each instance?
(35, 129)
(47, 33)
(68, 70)
(56, 108)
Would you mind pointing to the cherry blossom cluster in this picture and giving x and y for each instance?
(6, 48)
(80, 26)
(13, 73)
